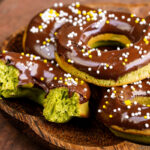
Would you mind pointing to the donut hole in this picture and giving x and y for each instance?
(109, 41)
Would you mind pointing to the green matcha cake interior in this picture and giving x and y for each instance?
(109, 39)
(58, 105)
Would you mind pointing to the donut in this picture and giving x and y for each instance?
(125, 110)
(40, 34)
(82, 47)
(62, 95)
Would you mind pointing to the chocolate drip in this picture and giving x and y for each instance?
(44, 74)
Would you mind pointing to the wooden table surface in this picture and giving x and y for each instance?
(14, 14)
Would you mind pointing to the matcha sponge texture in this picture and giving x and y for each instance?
(58, 105)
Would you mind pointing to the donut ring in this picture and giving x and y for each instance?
(40, 35)
(126, 111)
(78, 55)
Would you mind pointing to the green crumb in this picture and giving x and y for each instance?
(58, 106)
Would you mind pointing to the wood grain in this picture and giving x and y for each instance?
(51, 132)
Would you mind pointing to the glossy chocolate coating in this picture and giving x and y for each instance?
(119, 106)
(44, 74)
(34, 40)
(134, 31)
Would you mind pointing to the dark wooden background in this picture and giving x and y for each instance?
(15, 14)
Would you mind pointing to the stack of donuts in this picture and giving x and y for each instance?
(105, 48)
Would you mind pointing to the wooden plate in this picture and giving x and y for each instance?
(78, 134)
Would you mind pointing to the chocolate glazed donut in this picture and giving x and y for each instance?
(80, 55)
(126, 111)
(40, 35)
(26, 75)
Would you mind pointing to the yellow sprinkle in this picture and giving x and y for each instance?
(85, 97)
(4, 51)
(27, 54)
(55, 78)
(88, 19)
(55, 33)
(89, 52)
(82, 82)
(114, 91)
(40, 14)
(145, 117)
(69, 60)
(127, 102)
(84, 13)
(57, 14)
(125, 60)
(128, 45)
(99, 12)
(90, 56)
(42, 78)
(79, 12)
(44, 42)
(76, 79)
(136, 21)
(124, 63)
(107, 21)
(40, 27)
(110, 116)
(60, 78)
(51, 11)
(106, 102)
(104, 106)
(49, 16)
(45, 60)
(48, 40)
(83, 50)
(148, 105)
(34, 56)
(143, 20)
(66, 83)
(78, 5)
(107, 65)
(22, 54)
(132, 15)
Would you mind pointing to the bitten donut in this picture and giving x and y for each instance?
(61, 95)
(126, 111)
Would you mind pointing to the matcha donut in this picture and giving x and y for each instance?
(81, 51)
(61, 95)
(126, 111)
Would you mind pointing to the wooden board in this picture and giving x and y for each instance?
(79, 134)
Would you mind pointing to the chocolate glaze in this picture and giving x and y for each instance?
(31, 45)
(131, 29)
(126, 112)
(44, 74)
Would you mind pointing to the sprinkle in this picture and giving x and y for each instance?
(22, 54)
(104, 106)
(107, 21)
(127, 102)
(55, 33)
(124, 63)
(45, 60)
(145, 117)
(82, 82)
(40, 27)
(90, 56)
(55, 78)
(110, 116)
(42, 78)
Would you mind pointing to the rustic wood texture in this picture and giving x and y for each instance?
(15, 14)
